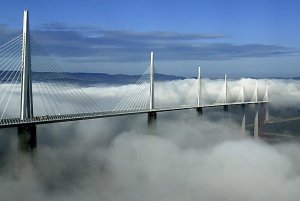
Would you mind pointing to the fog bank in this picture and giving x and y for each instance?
(190, 157)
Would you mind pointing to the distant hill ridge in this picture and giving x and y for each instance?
(99, 78)
(95, 78)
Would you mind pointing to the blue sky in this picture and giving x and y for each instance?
(239, 37)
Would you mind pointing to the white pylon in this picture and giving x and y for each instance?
(256, 92)
(256, 126)
(225, 83)
(151, 80)
(243, 92)
(26, 82)
(266, 98)
(199, 87)
(243, 128)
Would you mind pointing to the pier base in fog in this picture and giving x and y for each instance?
(256, 127)
(199, 110)
(225, 118)
(27, 138)
(243, 127)
(152, 118)
(243, 107)
(225, 108)
(152, 122)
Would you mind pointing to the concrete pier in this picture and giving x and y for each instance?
(26, 133)
(243, 127)
(225, 108)
(152, 123)
(27, 138)
(152, 118)
(199, 110)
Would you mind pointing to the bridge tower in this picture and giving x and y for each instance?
(151, 114)
(26, 133)
(256, 125)
(226, 93)
(26, 83)
(256, 118)
(267, 100)
(243, 129)
(256, 92)
(243, 92)
(199, 109)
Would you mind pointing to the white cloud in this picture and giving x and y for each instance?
(189, 158)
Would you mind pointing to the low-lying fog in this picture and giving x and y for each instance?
(187, 157)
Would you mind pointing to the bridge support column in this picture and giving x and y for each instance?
(26, 133)
(27, 138)
(266, 106)
(266, 117)
(225, 118)
(256, 129)
(151, 106)
(256, 92)
(199, 110)
(26, 82)
(152, 123)
(225, 94)
(152, 118)
(243, 128)
(152, 115)
(225, 108)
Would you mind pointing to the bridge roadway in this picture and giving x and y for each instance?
(15, 122)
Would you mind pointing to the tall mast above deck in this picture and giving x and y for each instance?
(26, 82)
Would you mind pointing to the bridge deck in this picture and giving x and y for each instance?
(15, 122)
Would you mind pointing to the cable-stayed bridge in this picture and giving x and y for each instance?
(22, 58)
